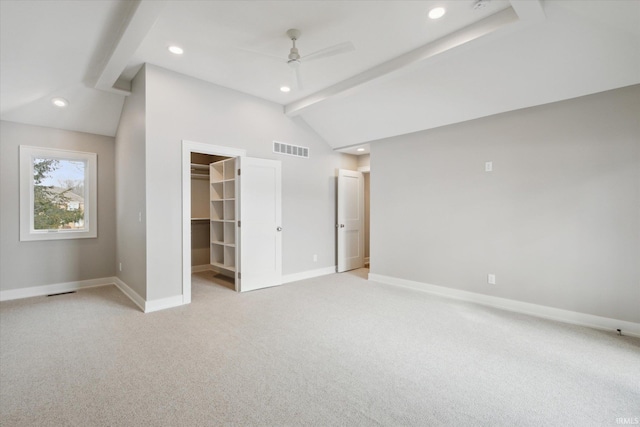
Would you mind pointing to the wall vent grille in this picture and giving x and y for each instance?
(290, 150)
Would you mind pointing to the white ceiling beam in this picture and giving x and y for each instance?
(386, 69)
(144, 14)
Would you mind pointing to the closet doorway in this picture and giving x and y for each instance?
(213, 231)
(238, 215)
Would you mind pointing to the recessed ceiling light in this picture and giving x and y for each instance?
(285, 89)
(437, 12)
(176, 50)
(360, 149)
(60, 102)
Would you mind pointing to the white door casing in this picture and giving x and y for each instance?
(259, 206)
(350, 225)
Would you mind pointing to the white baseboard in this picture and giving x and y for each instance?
(163, 303)
(148, 306)
(133, 295)
(582, 319)
(199, 268)
(55, 288)
(308, 274)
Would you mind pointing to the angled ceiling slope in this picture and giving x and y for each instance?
(576, 49)
(407, 73)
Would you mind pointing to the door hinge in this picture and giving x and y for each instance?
(238, 224)
(238, 172)
(239, 275)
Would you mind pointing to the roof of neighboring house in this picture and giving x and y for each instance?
(70, 195)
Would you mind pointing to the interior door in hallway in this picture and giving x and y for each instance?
(350, 224)
(260, 223)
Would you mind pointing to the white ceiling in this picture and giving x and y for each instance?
(408, 73)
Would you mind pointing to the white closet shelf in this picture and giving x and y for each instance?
(223, 214)
(199, 219)
(224, 267)
(231, 245)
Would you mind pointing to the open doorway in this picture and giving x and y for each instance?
(245, 218)
(197, 250)
(208, 242)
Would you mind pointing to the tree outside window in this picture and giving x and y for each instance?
(60, 189)
(58, 194)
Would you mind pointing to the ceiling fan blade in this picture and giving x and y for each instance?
(298, 78)
(329, 51)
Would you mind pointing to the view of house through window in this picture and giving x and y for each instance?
(58, 194)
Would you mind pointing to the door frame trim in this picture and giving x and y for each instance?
(189, 147)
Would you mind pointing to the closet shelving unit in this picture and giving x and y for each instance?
(222, 180)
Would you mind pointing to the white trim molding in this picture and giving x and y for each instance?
(148, 306)
(58, 288)
(54, 288)
(309, 274)
(130, 293)
(163, 303)
(545, 312)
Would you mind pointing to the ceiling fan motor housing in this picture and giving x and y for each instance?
(293, 54)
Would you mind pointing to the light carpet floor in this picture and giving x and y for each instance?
(331, 351)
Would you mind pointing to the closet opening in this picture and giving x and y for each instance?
(213, 233)
(235, 243)
(197, 207)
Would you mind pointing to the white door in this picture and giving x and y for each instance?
(350, 226)
(260, 223)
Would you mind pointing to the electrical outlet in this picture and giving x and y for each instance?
(491, 279)
(315, 258)
(488, 166)
(120, 266)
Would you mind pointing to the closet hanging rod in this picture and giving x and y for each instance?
(198, 166)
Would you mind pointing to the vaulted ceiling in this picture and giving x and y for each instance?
(407, 72)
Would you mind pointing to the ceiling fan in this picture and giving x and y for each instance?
(294, 59)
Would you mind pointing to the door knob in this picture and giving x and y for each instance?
(279, 229)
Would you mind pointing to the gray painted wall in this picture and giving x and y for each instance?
(130, 189)
(558, 221)
(180, 107)
(37, 263)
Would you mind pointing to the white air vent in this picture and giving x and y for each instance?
(290, 150)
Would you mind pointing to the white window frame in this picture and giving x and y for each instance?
(27, 156)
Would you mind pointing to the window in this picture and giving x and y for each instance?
(58, 190)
